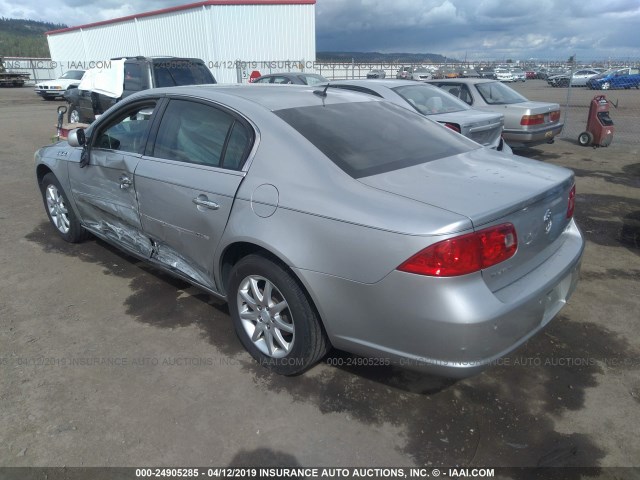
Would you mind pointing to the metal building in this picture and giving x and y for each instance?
(233, 37)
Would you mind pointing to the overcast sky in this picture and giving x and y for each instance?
(475, 29)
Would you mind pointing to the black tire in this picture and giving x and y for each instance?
(585, 139)
(61, 214)
(74, 111)
(307, 340)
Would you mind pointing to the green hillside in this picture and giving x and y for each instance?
(24, 38)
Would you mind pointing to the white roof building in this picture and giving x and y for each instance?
(233, 37)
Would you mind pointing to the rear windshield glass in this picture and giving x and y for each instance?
(170, 73)
(497, 93)
(368, 138)
(430, 100)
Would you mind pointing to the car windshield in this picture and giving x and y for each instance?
(497, 93)
(369, 138)
(73, 74)
(430, 100)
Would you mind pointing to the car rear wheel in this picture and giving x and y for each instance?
(74, 114)
(59, 211)
(273, 317)
(585, 139)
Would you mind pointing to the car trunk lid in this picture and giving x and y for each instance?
(491, 190)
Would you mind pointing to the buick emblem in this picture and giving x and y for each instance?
(548, 222)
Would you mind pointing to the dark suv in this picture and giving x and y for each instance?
(139, 73)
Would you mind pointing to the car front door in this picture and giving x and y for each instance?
(187, 182)
(104, 189)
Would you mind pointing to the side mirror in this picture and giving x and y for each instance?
(76, 138)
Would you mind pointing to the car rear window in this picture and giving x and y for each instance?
(369, 138)
(171, 73)
(497, 93)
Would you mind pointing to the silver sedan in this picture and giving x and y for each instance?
(482, 127)
(526, 123)
(325, 218)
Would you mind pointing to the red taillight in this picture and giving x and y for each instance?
(453, 126)
(465, 254)
(532, 119)
(572, 202)
(554, 116)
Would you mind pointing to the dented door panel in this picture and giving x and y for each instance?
(185, 219)
(105, 196)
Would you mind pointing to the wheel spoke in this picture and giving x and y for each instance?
(266, 293)
(277, 334)
(268, 338)
(251, 303)
(258, 332)
(256, 291)
(277, 308)
(281, 325)
(251, 316)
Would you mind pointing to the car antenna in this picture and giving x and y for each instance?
(322, 93)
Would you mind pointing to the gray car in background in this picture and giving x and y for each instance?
(482, 127)
(299, 78)
(325, 219)
(526, 123)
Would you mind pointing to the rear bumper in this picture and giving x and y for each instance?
(532, 137)
(453, 327)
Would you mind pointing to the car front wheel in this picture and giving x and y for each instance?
(273, 317)
(606, 86)
(59, 211)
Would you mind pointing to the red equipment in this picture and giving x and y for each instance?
(599, 125)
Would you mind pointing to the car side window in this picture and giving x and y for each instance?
(133, 77)
(203, 134)
(263, 80)
(281, 80)
(127, 132)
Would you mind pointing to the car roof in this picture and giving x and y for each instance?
(464, 80)
(271, 97)
(370, 83)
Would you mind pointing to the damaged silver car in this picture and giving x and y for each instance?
(326, 219)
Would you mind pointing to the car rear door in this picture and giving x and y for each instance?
(187, 181)
(104, 189)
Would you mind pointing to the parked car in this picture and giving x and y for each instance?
(325, 219)
(405, 73)
(101, 88)
(482, 127)
(486, 72)
(531, 74)
(422, 74)
(615, 78)
(297, 78)
(579, 78)
(518, 74)
(377, 73)
(526, 123)
(503, 75)
(55, 88)
(468, 73)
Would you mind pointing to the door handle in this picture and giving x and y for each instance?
(125, 182)
(203, 201)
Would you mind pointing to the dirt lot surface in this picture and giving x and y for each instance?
(106, 362)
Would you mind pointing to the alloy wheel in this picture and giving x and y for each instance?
(57, 209)
(265, 316)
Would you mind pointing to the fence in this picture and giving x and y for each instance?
(574, 101)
